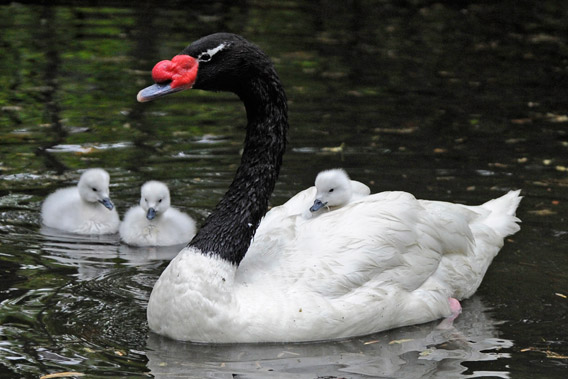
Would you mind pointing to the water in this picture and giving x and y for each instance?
(448, 100)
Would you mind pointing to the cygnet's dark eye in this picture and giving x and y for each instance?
(204, 57)
(146, 200)
(159, 201)
(94, 189)
(331, 190)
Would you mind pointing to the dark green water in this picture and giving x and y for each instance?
(452, 100)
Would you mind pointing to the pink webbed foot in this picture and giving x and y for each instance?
(455, 308)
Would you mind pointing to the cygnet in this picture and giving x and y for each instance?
(83, 209)
(334, 189)
(154, 222)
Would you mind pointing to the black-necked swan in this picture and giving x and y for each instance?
(154, 222)
(371, 265)
(83, 209)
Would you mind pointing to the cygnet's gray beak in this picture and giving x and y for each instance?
(318, 204)
(151, 214)
(107, 203)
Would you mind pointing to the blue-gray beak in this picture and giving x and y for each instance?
(107, 203)
(155, 91)
(151, 214)
(318, 204)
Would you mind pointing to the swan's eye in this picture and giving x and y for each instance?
(159, 201)
(204, 57)
(331, 190)
(94, 189)
(146, 200)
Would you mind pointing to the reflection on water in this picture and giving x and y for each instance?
(93, 256)
(429, 350)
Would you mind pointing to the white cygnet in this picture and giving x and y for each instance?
(154, 222)
(334, 189)
(83, 209)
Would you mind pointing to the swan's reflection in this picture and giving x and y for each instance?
(97, 256)
(428, 350)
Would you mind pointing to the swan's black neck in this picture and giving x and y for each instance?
(228, 231)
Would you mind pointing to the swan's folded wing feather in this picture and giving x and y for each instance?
(386, 240)
(372, 241)
(296, 205)
(359, 189)
(454, 220)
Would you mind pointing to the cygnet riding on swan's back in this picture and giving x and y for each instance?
(84, 209)
(385, 261)
(335, 189)
(154, 222)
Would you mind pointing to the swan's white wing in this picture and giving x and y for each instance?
(297, 205)
(359, 190)
(365, 262)
(388, 238)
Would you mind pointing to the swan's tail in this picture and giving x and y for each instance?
(502, 218)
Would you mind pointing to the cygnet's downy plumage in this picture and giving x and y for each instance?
(334, 189)
(154, 222)
(83, 209)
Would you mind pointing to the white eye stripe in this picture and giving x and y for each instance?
(208, 55)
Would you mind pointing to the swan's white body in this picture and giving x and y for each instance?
(80, 209)
(384, 261)
(168, 226)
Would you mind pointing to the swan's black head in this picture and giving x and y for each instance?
(217, 62)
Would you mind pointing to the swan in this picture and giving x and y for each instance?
(334, 189)
(83, 209)
(154, 222)
(386, 261)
